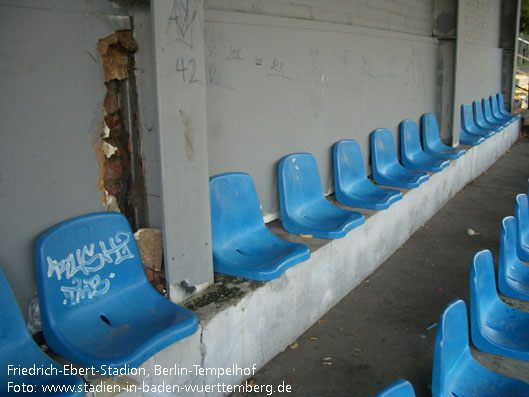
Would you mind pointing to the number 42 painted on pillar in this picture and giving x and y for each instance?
(189, 68)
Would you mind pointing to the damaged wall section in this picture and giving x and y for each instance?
(121, 176)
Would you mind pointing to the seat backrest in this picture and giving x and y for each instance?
(348, 164)
(521, 211)
(467, 120)
(430, 130)
(482, 286)
(383, 152)
(477, 106)
(451, 344)
(13, 330)
(410, 140)
(508, 244)
(486, 110)
(299, 182)
(84, 261)
(401, 388)
(494, 105)
(501, 101)
(235, 208)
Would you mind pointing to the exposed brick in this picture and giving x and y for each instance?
(112, 86)
(113, 170)
(112, 121)
(115, 133)
(113, 188)
(149, 273)
(111, 103)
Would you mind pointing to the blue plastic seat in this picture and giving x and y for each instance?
(501, 107)
(496, 327)
(242, 245)
(521, 211)
(487, 113)
(96, 304)
(304, 208)
(513, 274)
(432, 142)
(467, 139)
(467, 123)
(385, 166)
(455, 372)
(411, 151)
(18, 349)
(401, 388)
(495, 109)
(479, 118)
(351, 185)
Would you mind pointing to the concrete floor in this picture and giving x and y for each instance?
(380, 332)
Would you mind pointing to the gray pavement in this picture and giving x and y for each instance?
(380, 332)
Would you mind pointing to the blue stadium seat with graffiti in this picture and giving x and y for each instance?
(18, 351)
(97, 305)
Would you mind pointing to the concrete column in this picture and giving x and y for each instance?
(456, 114)
(178, 35)
(444, 29)
(510, 25)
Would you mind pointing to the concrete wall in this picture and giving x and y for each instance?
(479, 60)
(279, 85)
(410, 16)
(50, 117)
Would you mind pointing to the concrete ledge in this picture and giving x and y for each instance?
(245, 333)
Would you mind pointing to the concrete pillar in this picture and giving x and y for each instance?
(178, 42)
(510, 25)
(456, 115)
(444, 29)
